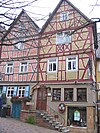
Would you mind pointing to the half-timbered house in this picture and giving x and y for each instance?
(18, 66)
(97, 87)
(66, 67)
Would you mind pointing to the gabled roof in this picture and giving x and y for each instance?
(55, 10)
(16, 20)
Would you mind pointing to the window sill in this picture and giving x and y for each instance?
(9, 73)
(52, 72)
(23, 72)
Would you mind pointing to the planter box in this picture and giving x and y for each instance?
(24, 114)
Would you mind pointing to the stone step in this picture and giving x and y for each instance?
(50, 121)
(54, 123)
(64, 129)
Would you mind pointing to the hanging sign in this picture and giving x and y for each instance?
(61, 108)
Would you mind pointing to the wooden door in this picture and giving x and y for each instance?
(16, 108)
(41, 98)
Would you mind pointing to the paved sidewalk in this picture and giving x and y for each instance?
(10, 125)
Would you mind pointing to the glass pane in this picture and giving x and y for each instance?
(8, 93)
(74, 64)
(22, 68)
(7, 69)
(69, 65)
(81, 94)
(68, 94)
(23, 93)
(50, 67)
(54, 66)
(25, 68)
(52, 60)
(11, 93)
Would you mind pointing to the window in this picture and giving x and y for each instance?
(77, 116)
(21, 91)
(52, 65)
(20, 44)
(81, 94)
(68, 94)
(64, 16)
(56, 94)
(23, 67)
(71, 63)
(63, 38)
(9, 68)
(10, 90)
(20, 37)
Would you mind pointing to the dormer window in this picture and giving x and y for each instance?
(63, 38)
(64, 16)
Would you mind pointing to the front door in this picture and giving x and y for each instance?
(41, 98)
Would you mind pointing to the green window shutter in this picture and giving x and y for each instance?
(27, 90)
(15, 91)
(4, 89)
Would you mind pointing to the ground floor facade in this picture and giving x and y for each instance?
(75, 102)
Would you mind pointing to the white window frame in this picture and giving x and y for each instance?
(25, 67)
(63, 38)
(11, 90)
(51, 62)
(10, 71)
(64, 16)
(22, 89)
(74, 60)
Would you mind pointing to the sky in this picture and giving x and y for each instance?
(41, 8)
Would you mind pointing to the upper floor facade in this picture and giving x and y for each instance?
(19, 51)
(66, 47)
(62, 52)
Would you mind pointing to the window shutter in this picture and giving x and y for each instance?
(4, 89)
(15, 91)
(27, 90)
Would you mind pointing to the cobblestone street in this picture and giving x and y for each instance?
(9, 125)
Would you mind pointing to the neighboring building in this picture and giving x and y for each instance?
(98, 63)
(19, 58)
(98, 78)
(2, 32)
(66, 67)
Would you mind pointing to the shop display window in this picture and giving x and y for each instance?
(77, 117)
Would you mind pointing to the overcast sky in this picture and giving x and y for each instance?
(44, 7)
